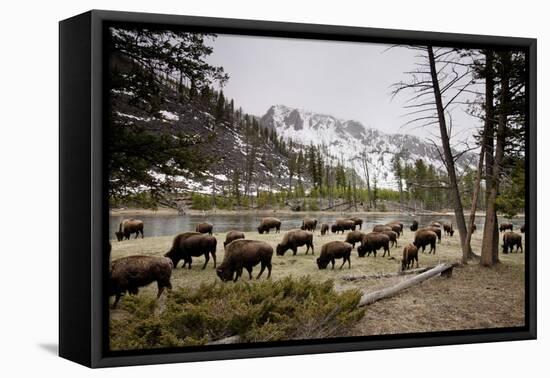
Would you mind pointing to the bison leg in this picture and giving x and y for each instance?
(190, 261)
(214, 257)
(249, 270)
(349, 262)
(238, 274)
(332, 261)
(312, 249)
(262, 268)
(117, 298)
(294, 251)
(343, 262)
(206, 259)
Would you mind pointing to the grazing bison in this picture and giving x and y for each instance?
(400, 224)
(414, 225)
(245, 254)
(372, 242)
(522, 229)
(309, 224)
(410, 254)
(204, 228)
(342, 225)
(334, 250)
(436, 230)
(448, 229)
(128, 227)
(128, 274)
(192, 244)
(381, 227)
(324, 228)
(425, 237)
(354, 237)
(395, 228)
(268, 223)
(294, 239)
(233, 235)
(393, 237)
(509, 240)
(506, 226)
(357, 221)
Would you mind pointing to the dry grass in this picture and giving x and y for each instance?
(474, 297)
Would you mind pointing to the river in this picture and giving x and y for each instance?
(162, 225)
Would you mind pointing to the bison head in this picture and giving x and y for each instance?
(333, 228)
(225, 274)
(362, 250)
(414, 226)
(280, 250)
(322, 264)
(119, 235)
(260, 230)
(451, 232)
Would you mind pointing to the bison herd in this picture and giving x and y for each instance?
(127, 274)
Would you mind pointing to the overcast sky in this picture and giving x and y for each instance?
(345, 79)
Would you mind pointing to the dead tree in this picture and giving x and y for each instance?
(442, 77)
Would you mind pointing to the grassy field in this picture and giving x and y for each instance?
(473, 298)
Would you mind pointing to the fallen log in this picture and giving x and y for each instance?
(443, 269)
(227, 340)
(386, 275)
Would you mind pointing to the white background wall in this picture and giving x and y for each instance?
(29, 188)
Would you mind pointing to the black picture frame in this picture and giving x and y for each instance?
(83, 209)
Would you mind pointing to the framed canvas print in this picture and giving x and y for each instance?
(233, 188)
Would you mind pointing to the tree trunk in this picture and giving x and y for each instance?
(486, 137)
(369, 298)
(448, 156)
(489, 251)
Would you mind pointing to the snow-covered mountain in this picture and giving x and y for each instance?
(348, 140)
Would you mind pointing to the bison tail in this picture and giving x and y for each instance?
(120, 226)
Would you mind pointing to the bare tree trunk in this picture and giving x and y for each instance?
(448, 155)
(489, 251)
(486, 138)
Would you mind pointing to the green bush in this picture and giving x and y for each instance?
(259, 311)
(201, 201)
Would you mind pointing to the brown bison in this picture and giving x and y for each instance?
(436, 230)
(233, 235)
(400, 224)
(425, 237)
(393, 237)
(268, 223)
(192, 244)
(395, 228)
(522, 229)
(506, 226)
(410, 255)
(372, 242)
(204, 228)
(357, 221)
(342, 225)
(354, 237)
(448, 229)
(309, 224)
(474, 228)
(324, 228)
(128, 227)
(381, 227)
(245, 254)
(510, 240)
(414, 225)
(294, 239)
(334, 250)
(128, 274)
